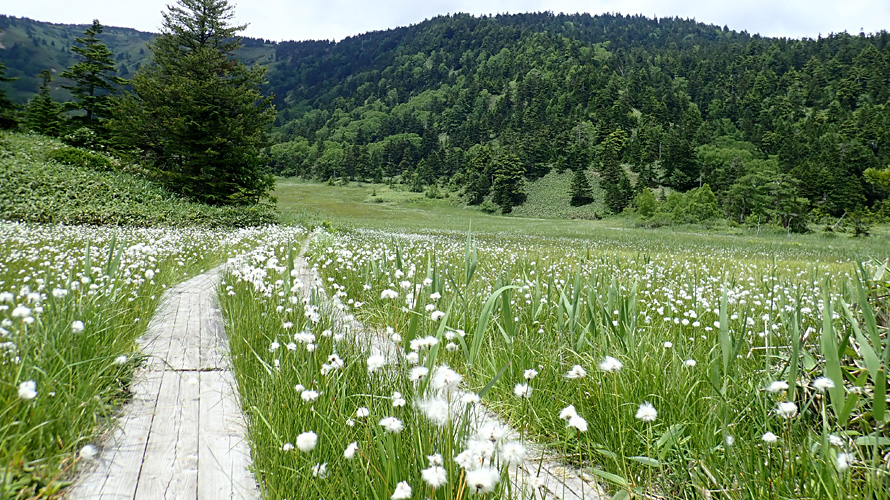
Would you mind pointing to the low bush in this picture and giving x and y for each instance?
(43, 182)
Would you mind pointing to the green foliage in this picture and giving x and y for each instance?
(879, 178)
(94, 76)
(8, 109)
(44, 181)
(695, 206)
(81, 158)
(43, 115)
(508, 186)
(196, 114)
(580, 192)
(645, 203)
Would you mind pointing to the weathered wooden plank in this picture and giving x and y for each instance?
(169, 469)
(116, 472)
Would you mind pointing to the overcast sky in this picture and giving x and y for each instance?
(337, 19)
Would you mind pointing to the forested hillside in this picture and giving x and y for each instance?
(775, 127)
(682, 103)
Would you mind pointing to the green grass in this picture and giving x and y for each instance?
(73, 301)
(42, 180)
(550, 197)
(702, 322)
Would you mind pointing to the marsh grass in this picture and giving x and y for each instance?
(702, 333)
(74, 301)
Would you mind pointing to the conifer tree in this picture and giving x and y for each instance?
(94, 76)
(508, 186)
(582, 194)
(7, 107)
(196, 113)
(43, 115)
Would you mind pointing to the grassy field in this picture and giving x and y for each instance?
(684, 363)
(73, 301)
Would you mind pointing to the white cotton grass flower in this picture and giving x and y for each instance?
(397, 400)
(309, 396)
(568, 412)
(512, 452)
(351, 449)
(320, 470)
(822, 384)
(287, 447)
(646, 412)
(28, 390)
(576, 372)
(577, 421)
(437, 315)
(444, 379)
(77, 326)
(418, 373)
(375, 362)
(435, 476)
(392, 425)
(492, 431)
(690, 363)
(786, 409)
(522, 391)
(530, 374)
(120, 360)
(835, 440)
(436, 410)
(307, 441)
(389, 294)
(362, 412)
(769, 437)
(844, 460)
(402, 492)
(777, 386)
(88, 453)
(610, 365)
(482, 480)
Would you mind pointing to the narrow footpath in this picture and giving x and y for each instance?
(182, 436)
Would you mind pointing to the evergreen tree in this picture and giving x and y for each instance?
(94, 77)
(508, 187)
(478, 180)
(581, 192)
(619, 192)
(43, 115)
(197, 113)
(7, 107)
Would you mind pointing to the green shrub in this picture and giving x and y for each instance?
(74, 193)
(81, 158)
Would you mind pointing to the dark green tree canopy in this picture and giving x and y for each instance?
(95, 76)
(43, 114)
(7, 107)
(197, 114)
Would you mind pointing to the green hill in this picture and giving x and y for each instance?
(43, 180)
(681, 102)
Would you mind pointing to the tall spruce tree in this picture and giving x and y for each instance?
(508, 186)
(581, 192)
(196, 113)
(94, 76)
(43, 114)
(7, 108)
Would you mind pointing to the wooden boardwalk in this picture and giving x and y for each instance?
(182, 435)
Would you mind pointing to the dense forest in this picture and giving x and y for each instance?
(773, 127)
